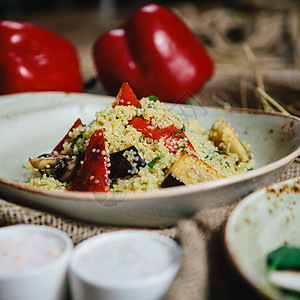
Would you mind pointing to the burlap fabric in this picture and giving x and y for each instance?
(241, 90)
(206, 271)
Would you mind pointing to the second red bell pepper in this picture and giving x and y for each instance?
(33, 58)
(156, 53)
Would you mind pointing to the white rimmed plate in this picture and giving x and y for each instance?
(261, 223)
(31, 123)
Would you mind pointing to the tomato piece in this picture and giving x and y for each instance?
(93, 174)
(126, 97)
(171, 135)
(59, 146)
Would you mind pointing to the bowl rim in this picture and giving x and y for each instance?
(162, 193)
(239, 206)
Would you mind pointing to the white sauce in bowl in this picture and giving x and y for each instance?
(126, 257)
(24, 250)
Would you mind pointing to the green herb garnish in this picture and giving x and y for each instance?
(79, 136)
(221, 153)
(181, 130)
(153, 161)
(111, 184)
(181, 147)
(152, 98)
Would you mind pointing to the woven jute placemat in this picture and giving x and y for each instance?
(205, 273)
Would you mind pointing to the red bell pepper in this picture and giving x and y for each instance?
(93, 174)
(171, 135)
(33, 58)
(126, 97)
(58, 148)
(156, 53)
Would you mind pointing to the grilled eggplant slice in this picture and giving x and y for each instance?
(223, 137)
(189, 169)
(125, 163)
(171, 180)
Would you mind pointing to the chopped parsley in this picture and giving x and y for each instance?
(181, 130)
(181, 147)
(153, 161)
(111, 184)
(79, 136)
(152, 98)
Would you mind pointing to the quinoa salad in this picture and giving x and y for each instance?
(139, 145)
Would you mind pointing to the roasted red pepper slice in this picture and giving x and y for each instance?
(59, 146)
(33, 58)
(93, 174)
(171, 135)
(126, 97)
(156, 53)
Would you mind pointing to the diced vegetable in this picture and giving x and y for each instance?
(126, 97)
(171, 180)
(223, 137)
(189, 169)
(171, 135)
(59, 146)
(93, 174)
(122, 166)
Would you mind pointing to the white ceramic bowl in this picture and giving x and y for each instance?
(32, 123)
(261, 223)
(125, 265)
(33, 262)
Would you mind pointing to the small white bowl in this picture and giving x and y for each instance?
(124, 265)
(261, 223)
(33, 262)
